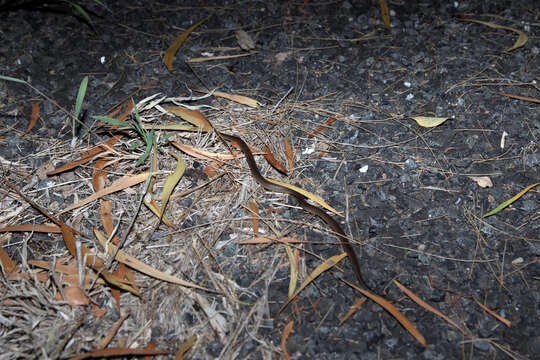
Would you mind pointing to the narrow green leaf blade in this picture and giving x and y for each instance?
(9, 78)
(508, 202)
(80, 96)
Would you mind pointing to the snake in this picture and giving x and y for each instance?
(317, 211)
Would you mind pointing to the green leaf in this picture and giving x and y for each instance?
(80, 96)
(82, 12)
(9, 78)
(114, 121)
(149, 142)
(508, 202)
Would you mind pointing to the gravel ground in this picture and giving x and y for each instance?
(409, 194)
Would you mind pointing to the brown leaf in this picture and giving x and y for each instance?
(255, 219)
(286, 332)
(34, 118)
(87, 156)
(99, 176)
(272, 161)
(267, 240)
(353, 309)
(326, 124)
(537, 101)
(289, 153)
(105, 342)
(394, 312)
(194, 117)
(426, 306)
(7, 264)
(185, 347)
(75, 296)
(493, 313)
(175, 46)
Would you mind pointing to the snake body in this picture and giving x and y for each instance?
(334, 225)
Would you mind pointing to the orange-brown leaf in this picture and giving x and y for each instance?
(7, 264)
(75, 296)
(185, 347)
(113, 332)
(99, 176)
(34, 118)
(534, 100)
(326, 124)
(394, 312)
(286, 332)
(426, 306)
(273, 161)
(493, 313)
(353, 309)
(87, 156)
(289, 153)
(175, 46)
(255, 219)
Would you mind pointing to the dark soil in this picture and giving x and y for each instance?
(416, 213)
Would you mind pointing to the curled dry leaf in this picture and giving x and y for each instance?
(482, 181)
(520, 41)
(175, 46)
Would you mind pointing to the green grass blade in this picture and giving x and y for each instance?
(508, 202)
(149, 144)
(9, 78)
(80, 97)
(82, 12)
(114, 121)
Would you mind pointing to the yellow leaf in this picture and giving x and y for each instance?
(135, 264)
(172, 127)
(307, 194)
(521, 40)
(327, 264)
(175, 46)
(151, 204)
(171, 182)
(385, 13)
(294, 270)
(428, 121)
(194, 117)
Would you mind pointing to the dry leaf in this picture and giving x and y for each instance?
(267, 240)
(428, 121)
(286, 332)
(353, 309)
(34, 118)
(185, 347)
(289, 153)
(506, 322)
(394, 312)
(273, 161)
(255, 219)
(244, 40)
(133, 263)
(326, 265)
(426, 306)
(307, 194)
(327, 123)
(482, 181)
(175, 46)
(194, 117)
(294, 271)
(8, 265)
(534, 100)
(32, 227)
(75, 296)
(385, 13)
(521, 40)
(120, 184)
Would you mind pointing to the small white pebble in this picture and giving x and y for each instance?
(364, 169)
(407, 84)
(410, 97)
(102, 59)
